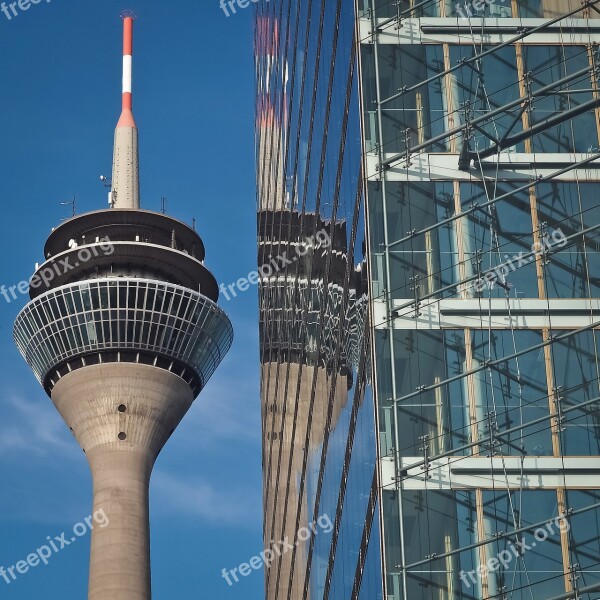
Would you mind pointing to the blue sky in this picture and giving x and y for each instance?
(193, 103)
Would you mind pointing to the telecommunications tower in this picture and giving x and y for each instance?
(123, 332)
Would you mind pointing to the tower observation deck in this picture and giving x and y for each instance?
(123, 331)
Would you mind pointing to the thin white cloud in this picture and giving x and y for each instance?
(33, 429)
(186, 497)
(228, 410)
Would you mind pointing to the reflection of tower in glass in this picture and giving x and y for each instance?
(123, 335)
(306, 372)
(312, 311)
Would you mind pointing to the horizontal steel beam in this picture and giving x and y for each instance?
(540, 127)
(476, 207)
(403, 472)
(501, 536)
(479, 56)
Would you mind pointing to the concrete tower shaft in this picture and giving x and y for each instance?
(121, 415)
(123, 331)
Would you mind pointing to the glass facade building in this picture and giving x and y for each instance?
(428, 184)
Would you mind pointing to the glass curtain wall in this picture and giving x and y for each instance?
(483, 212)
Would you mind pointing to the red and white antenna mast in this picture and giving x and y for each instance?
(125, 191)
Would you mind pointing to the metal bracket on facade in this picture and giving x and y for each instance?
(492, 427)
(425, 449)
(558, 402)
(415, 289)
(407, 153)
(545, 251)
(574, 578)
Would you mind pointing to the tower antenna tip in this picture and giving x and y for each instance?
(128, 14)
